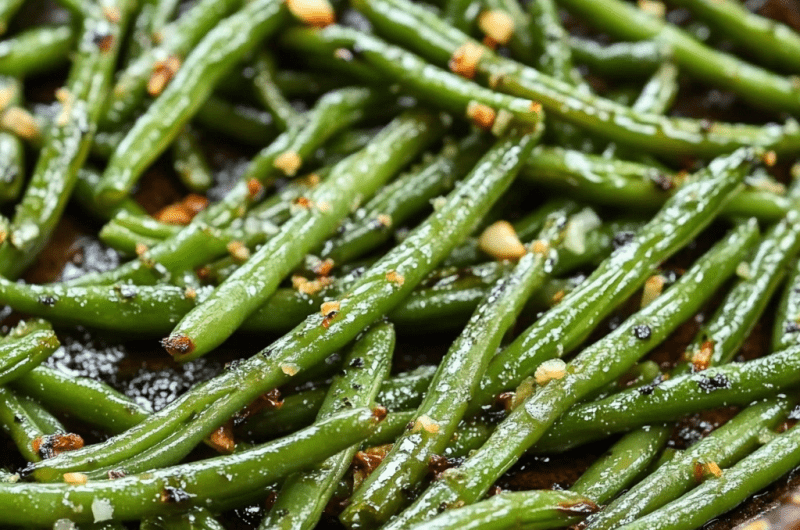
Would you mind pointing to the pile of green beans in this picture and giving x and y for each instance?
(434, 243)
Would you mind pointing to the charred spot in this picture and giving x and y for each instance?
(442, 507)
(270, 401)
(103, 41)
(356, 386)
(171, 495)
(622, 238)
(17, 418)
(578, 508)
(438, 464)
(178, 345)
(505, 400)
(233, 365)
(642, 331)
(347, 403)
(267, 353)
(47, 300)
(358, 362)
(791, 327)
(647, 389)
(662, 181)
(715, 382)
(379, 412)
(698, 471)
(326, 322)
(115, 474)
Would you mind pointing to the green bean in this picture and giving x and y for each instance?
(555, 58)
(244, 124)
(86, 399)
(772, 42)
(659, 92)
(84, 196)
(48, 423)
(8, 8)
(190, 162)
(36, 50)
(462, 14)
(680, 219)
(333, 112)
(141, 32)
(401, 199)
(432, 84)
(20, 355)
(621, 59)
(303, 496)
(311, 342)
(67, 142)
(197, 518)
(19, 425)
(12, 154)
(622, 464)
(207, 482)
(597, 365)
(720, 338)
(76, 7)
(726, 445)
(124, 240)
(435, 40)
(630, 184)
(787, 315)
(716, 496)
(211, 58)
(178, 39)
(754, 84)
(327, 204)
(512, 509)
(270, 95)
(380, 495)
(116, 307)
(401, 392)
(673, 399)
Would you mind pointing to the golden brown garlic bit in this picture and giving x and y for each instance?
(269, 401)
(222, 439)
(112, 14)
(75, 479)
(497, 25)
(163, 72)
(20, 122)
(540, 247)
(327, 308)
(310, 287)
(558, 296)
(482, 116)
(653, 288)
(141, 249)
(183, 211)
(317, 13)
(303, 202)
(395, 278)
(465, 59)
(324, 267)
(288, 162)
(190, 294)
(769, 158)
(290, 369)
(384, 220)
(367, 461)
(549, 370)
(254, 188)
(702, 358)
(500, 241)
(424, 423)
(238, 251)
(54, 444)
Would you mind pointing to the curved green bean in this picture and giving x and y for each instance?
(423, 31)
(316, 219)
(620, 59)
(211, 58)
(597, 365)
(303, 496)
(207, 482)
(311, 342)
(68, 140)
(36, 50)
(380, 495)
